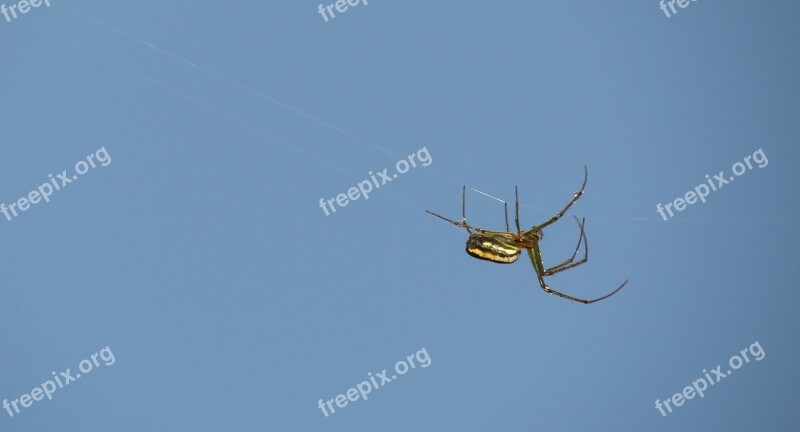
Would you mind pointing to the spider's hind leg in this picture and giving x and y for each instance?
(516, 209)
(463, 223)
(464, 207)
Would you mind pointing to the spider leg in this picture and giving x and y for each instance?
(536, 258)
(568, 263)
(458, 224)
(464, 207)
(574, 198)
(516, 210)
(505, 208)
(461, 224)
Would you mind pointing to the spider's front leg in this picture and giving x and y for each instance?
(575, 197)
(568, 263)
(536, 258)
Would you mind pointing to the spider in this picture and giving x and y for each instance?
(504, 247)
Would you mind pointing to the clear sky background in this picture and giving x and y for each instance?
(231, 302)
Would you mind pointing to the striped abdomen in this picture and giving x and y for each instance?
(494, 248)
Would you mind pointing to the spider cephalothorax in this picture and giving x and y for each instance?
(504, 247)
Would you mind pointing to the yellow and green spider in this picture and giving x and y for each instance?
(504, 247)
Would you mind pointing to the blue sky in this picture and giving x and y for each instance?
(201, 258)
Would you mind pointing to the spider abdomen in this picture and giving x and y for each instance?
(494, 248)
